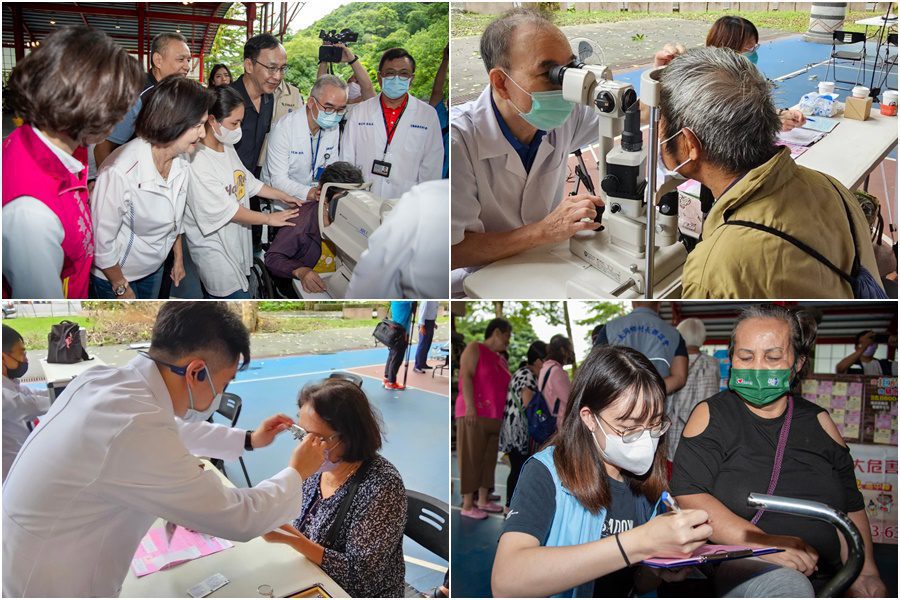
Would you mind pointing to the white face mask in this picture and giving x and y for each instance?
(635, 457)
(664, 174)
(227, 136)
(354, 91)
(193, 415)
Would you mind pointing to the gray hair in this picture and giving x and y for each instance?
(802, 324)
(328, 80)
(725, 100)
(495, 40)
(161, 41)
(693, 331)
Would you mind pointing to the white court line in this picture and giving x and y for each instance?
(425, 563)
(412, 387)
(329, 371)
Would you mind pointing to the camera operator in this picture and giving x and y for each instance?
(862, 360)
(360, 74)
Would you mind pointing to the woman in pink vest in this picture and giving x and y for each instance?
(71, 91)
(483, 380)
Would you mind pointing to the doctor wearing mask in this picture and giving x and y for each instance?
(110, 457)
(304, 142)
(394, 138)
(510, 148)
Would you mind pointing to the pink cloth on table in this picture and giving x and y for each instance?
(490, 381)
(559, 386)
(157, 552)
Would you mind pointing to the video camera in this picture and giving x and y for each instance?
(330, 53)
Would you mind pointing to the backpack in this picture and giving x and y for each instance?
(64, 344)
(861, 281)
(541, 422)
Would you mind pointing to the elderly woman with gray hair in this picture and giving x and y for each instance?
(777, 229)
(306, 141)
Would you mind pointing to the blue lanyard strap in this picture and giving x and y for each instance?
(316, 153)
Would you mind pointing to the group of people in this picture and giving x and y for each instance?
(718, 126)
(172, 206)
(645, 415)
(115, 451)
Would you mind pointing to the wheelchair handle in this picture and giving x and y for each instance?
(847, 574)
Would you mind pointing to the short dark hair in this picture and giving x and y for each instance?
(560, 349)
(395, 53)
(226, 99)
(862, 333)
(175, 105)
(497, 324)
(208, 328)
(339, 172)
(258, 43)
(346, 409)
(536, 351)
(77, 82)
(212, 74)
(11, 337)
(732, 32)
(497, 37)
(160, 41)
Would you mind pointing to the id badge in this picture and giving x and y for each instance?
(318, 174)
(381, 168)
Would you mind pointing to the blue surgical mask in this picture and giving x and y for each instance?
(663, 173)
(752, 56)
(193, 415)
(549, 110)
(326, 121)
(394, 87)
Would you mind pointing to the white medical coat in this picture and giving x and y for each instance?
(20, 404)
(289, 157)
(408, 254)
(416, 152)
(104, 463)
(492, 193)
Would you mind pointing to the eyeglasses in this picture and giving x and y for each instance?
(271, 70)
(329, 110)
(752, 50)
(633, 435)
(404, 75)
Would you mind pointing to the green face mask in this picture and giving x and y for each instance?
(549, 110)
(760, 387)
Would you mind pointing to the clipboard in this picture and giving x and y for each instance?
(708, 554)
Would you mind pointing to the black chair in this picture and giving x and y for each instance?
(890, 60)
(427, 524)
(844, 38)
(230, 408)
(345, 376)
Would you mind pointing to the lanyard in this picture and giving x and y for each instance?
(315, 154)
(779, 454)
(390, 132)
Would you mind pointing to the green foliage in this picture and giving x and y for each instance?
(600, 313)
(421, 28)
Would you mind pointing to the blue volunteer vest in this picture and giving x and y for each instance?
(643, 330)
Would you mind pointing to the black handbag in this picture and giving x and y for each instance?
(64, 344)
(390, 333)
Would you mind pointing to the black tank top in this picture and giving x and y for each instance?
(734, 456)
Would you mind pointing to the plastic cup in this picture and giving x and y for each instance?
(860, 91)
(889, 104)
(826, 87)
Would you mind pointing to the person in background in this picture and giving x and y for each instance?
(553, 381)
(862, 360)
(427, 325)
(760, 435)
(437, 101)
(643, 330)
(300, 252)
(483, 383)
(363, 553)
(139, 198)
(219, 76)
(702, 383)
(305, 142)
(218, 217)
(48, 232)
(401, 312)
(406, 254)
(169, 55)
(21, 404)
(514, 438)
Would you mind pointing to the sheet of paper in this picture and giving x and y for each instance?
(800, 137)
(822, 124)
(156, 553)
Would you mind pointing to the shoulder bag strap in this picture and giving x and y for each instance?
(779, 454)
(341, 515)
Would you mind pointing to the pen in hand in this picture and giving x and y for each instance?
(669, 501)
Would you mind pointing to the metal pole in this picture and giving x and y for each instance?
(650, 198)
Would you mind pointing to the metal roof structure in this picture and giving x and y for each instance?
(133, 24)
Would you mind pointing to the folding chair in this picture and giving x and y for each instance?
(427, 524)
(231, 410)
(843, 38)
(889, 62)
(351, 377)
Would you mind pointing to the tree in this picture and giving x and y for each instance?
(228, 46)
(601, 313)
(250, 316)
